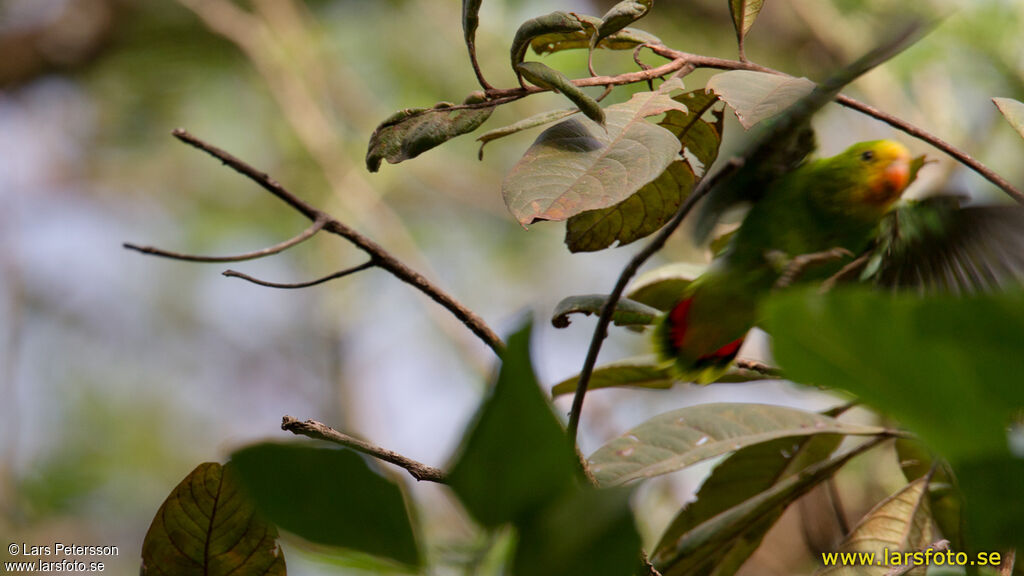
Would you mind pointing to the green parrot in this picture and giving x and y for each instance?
(822, 205)
(844, 205)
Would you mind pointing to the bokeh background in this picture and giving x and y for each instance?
(119, 372)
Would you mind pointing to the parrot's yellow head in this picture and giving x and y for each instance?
(884, 167)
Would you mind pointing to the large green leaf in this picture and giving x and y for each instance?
(328, 496)
(756, 96)
(516, 457)
(411, 132)
(743, 475)
(627, 312)
(680, 438)
(207, 527)
(551, 79)
(588, 533)
(653, 205)
(944, 367)
(664, 286)
(1013, 111)
(902, 522)
(700, 544)
(577, 166)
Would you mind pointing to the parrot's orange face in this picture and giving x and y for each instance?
(886, 165)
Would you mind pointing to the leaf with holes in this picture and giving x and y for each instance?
(700, 543)
(1013, 111)
(741, 476)
(328, 496)
(576, 165)
(625, 39)
(900, 523)
(411, 132)
(208, 527)
(653, 206)
(677, 439)
(755, 96)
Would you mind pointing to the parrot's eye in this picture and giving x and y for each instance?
(868, 155)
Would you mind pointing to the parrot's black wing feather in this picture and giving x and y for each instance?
(936, 244)
(788, 139)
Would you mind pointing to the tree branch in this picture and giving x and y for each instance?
(336, 275)
(656, 243)
(306, 234)
(321, 431)
(378, 255)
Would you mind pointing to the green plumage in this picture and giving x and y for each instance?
(825, 204)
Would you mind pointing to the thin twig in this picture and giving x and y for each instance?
(321, 431)
(845, 272)
(377, 253)
(306, 234)
(759, 367)
(656, 243)
(329, 277)
(837, 506)
(799, 264)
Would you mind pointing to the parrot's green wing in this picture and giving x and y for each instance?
(935, 244)
(785, 143)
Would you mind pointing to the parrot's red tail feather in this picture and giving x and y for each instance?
(677, 324)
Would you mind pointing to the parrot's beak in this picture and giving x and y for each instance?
(897, 175)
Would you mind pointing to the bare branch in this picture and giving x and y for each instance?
(321, 431)
(306, 234)
(759, 367)
(846, 272)
(329, 277)
(656, 243)
(378, 255)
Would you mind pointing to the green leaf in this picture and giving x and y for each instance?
(901, 522)
(621, 15)
(549, 28)
(575, 166)
(328, 496)
(516, 457)
(1013, 111)
(625, 39)
(948, 380)
(699, 544)
(744, 13)
(743, 475)
(756, 96)
(524, 124)
(640, 372)
(208, 527)
(551, 79)
(590, 533)
(664, 286)
(652, 206)
(627, 312)
(411, 132)
(680, 438)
